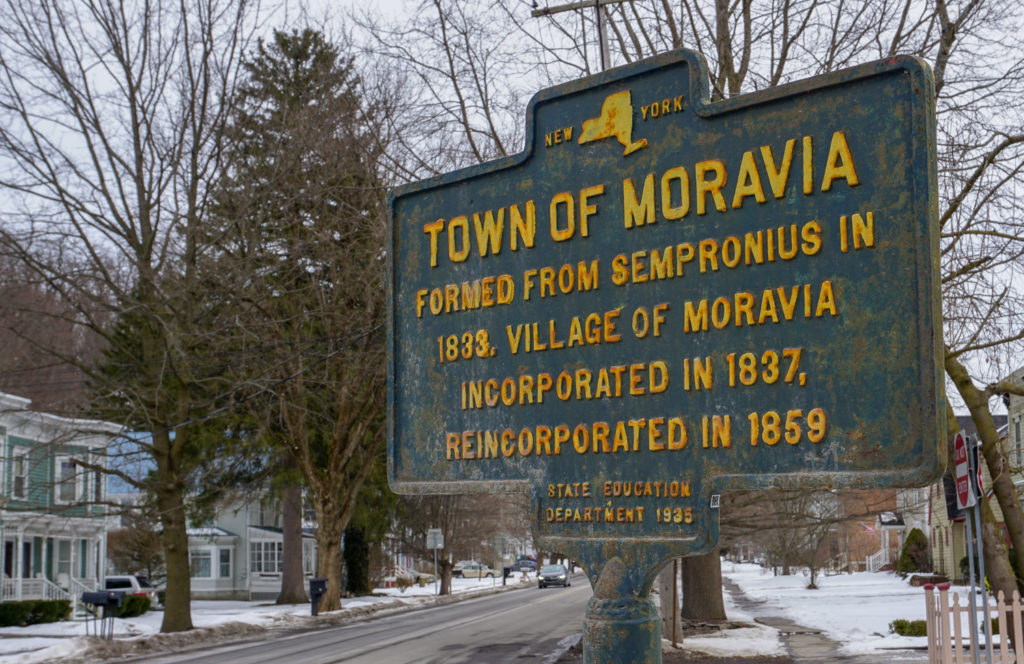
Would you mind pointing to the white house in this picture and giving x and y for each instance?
(52, 520)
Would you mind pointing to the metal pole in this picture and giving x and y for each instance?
(968, 530)
(675, 600)
(436, 591)
(979, 547)
(602, 20)
(602, 36)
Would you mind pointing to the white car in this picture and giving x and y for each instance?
(132, 584)
(474, 571)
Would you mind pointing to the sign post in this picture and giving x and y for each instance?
(663, 299)
(435, 541)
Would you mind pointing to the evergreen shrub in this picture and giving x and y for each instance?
(914, 557)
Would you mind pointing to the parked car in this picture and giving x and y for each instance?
(553, 575)
(457, 567)
(526, 564)
(410, 575)
(475, 571)
(132, 584)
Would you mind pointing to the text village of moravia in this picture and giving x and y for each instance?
(810, 165)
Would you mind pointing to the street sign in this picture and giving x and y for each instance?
(435, 538)
(664, 298)
(962, 472)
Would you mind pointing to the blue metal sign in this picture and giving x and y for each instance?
(664, 298)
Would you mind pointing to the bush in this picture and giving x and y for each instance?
(50, 611)
(914, 557)
(965, 569)
(908, 627)
(33, 612)
(15, 614)
(134, 605)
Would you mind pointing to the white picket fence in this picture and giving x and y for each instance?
(948, 622)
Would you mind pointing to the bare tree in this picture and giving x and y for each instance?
(110, 119)
(468, 523)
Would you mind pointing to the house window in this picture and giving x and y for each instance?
(266, 557)
(224, 567)
(19, 471)
(1017, 440)
(199, 561)
(63, 556)
(308, 558)
(65, 480)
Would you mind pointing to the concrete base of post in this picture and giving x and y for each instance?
(622, 631)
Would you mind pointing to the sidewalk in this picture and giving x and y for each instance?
(805, 644)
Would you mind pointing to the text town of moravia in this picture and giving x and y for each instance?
(805, 165)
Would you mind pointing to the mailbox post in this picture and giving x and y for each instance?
(99, 604)
(664, 298)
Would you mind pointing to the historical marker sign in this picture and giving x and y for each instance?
(662, 298)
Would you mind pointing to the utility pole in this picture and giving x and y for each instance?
(602, 22)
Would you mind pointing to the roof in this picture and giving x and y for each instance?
(967, 424)
(209, 531)
(306, 532)
(890, 520)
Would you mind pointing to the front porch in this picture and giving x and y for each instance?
(50, 557)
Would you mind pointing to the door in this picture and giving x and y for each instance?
(26, 560)
(8, 559)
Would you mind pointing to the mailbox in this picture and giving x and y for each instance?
(104, 598)
(317, 589)
(108, 599)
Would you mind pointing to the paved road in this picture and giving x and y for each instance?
(521, 626)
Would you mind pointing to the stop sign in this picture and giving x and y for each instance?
(961, 472)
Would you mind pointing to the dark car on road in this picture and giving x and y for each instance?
(553, 575)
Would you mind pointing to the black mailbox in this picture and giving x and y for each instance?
(104, 598)
(317, 589)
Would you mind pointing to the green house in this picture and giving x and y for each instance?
(52, 494)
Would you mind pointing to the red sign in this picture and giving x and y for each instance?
(962, 472)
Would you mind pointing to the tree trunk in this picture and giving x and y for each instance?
(445, 569)
(702, 587)
(328, 544)
(293, 589)
(171, 506)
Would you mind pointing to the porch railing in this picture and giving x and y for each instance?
(19, 589)
(877, 561)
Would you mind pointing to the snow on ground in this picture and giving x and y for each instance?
(852, 609)
(51, 641)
